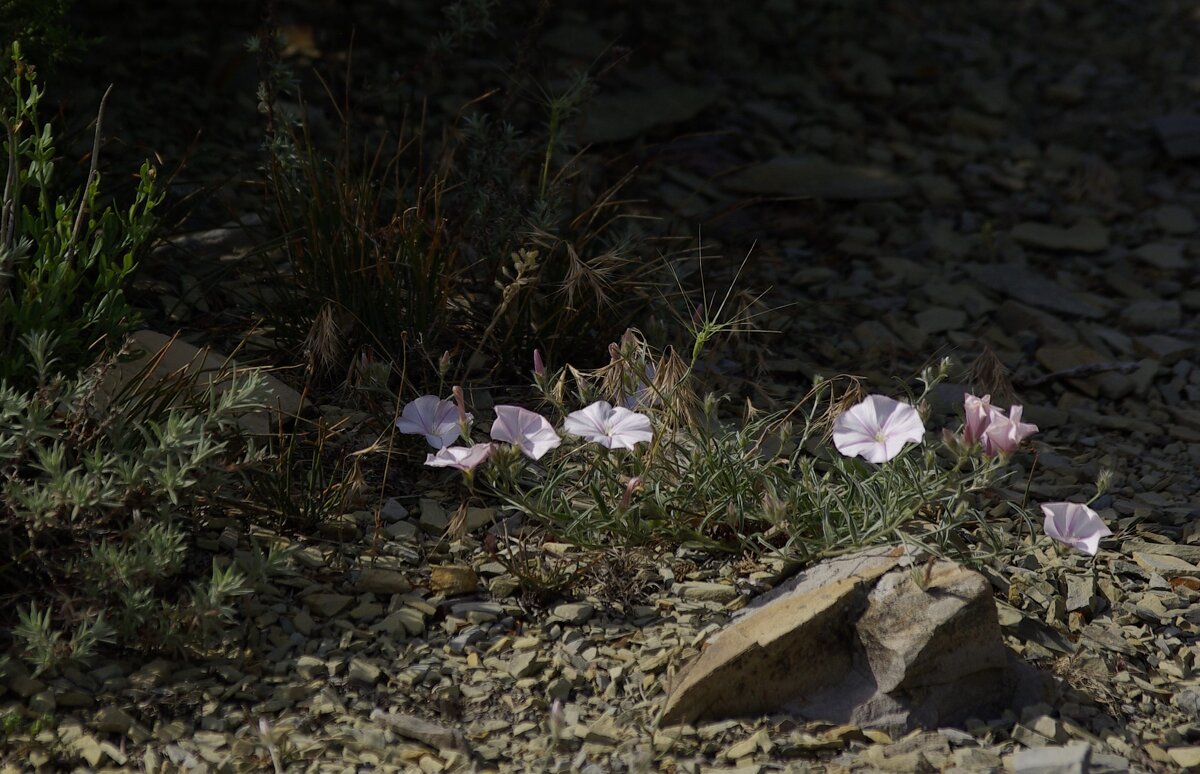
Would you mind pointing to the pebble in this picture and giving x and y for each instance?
(327, 605)
(1086, 236)
(702, 591)
(1175, 219)
(112, 720)
(574, 613)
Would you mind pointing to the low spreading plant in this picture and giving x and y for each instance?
(102, 490)
(659, 467)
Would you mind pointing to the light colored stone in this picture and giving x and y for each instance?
(703, 591)
(1073, 758)
(573, 613)
(382, 581)
(452, 580)
(877, 646)
(1166, 566)
(426, 732)
(364, 671)
(1185, 757)
(173, 355)
(776, 650)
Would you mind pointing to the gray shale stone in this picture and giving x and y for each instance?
(1073, 758)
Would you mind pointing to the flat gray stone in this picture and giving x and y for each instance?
(327, 605)
(1023, 284)
(1179, 134)
(1175, 219)
(1086, 236)
(703, 591)
(816, 178)
(1162, 255)
(1073, 758)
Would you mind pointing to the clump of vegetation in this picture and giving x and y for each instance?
(102, 479)
(461, 234)
(64, 259)
(40, 27)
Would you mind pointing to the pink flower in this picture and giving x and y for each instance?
(979, 414)
(1075, 525)
(529, 431)
(539, 368)
(612, 428)
(438, 420)
(1005, 434)
(464, 458)
(877, 429)
(988, 426)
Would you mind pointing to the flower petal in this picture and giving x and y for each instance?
(590, 422)
(1075, 525)
(432, 417)
(463, 458)
(527, 430)
(877, 428)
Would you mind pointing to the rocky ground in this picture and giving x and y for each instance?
(918, 180)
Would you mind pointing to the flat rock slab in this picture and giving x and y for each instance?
(157, 357)
(1022, 284)
(625, 115)
(1179, 134)
(862, 639)
(817, 178)
(1086, 236)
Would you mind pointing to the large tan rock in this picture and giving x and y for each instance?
(171, 356)
(793, 644)
(864, 639)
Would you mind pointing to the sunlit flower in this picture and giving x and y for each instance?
(464, 458)
(527, 430)
(877, 428)
(1005, 434)
(436, 419)
(611, 427)
(1075, 525)
(979, 414)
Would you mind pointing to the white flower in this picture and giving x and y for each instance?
(464, 458)
(612, 428)
(437, 420)
(529, 431)
(877, 428)
(1075, 525)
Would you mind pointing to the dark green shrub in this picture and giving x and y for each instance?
(63, 258)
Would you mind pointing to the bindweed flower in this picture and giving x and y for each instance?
(556, 721)
(988, 426)
(979, 414)
(1075, 525)
(539, 368)
(525, 429)
(631, 486)
(1005, 434)
(612, 428)
(438, 420)
(877, 428)
(464, 458)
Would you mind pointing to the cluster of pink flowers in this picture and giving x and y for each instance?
(443, 421)
(878, 428)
